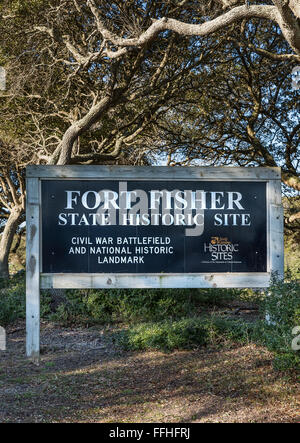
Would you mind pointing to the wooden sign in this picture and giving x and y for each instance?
(142, 227)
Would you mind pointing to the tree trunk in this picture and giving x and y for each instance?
(7, 239)
(84, 124)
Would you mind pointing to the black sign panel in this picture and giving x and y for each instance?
(118, 226)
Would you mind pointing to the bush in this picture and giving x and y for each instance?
(182, 334)
(141, 305)
(110, 306)
(127, 305)
(13, 300)
(281, 305)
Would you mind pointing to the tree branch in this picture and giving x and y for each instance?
(169, 24)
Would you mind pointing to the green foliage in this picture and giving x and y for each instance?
(182, 334)
(282, 307)
(219, 296)
(140, 305)
(112, 306)
(13, 300)
(108, 306)
(292, 255)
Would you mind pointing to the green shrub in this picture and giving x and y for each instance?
(127, 305)
(221, 296)
(286, 361)
(182, 334)
(13, 300)
(141, 305)
(110, 306)
(73, 312)
(281, 305)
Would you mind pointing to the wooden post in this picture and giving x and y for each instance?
(33, 270)
(276, 247)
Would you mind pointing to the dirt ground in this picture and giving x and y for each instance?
(84, 377)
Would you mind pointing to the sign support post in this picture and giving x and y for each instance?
(33, 270)
(276, 247)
